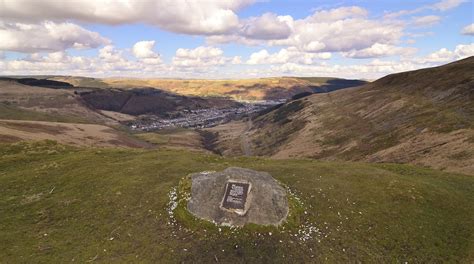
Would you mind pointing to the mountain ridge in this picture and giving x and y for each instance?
(424, 117)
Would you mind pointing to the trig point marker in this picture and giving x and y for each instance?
(237, 196)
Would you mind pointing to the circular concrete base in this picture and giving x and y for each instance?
(265, 203)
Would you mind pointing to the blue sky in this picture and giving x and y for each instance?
(232, 38)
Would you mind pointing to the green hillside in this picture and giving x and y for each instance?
(64, 204)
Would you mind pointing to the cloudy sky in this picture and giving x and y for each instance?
(232, 38)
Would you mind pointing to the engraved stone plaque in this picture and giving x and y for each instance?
(235, 197)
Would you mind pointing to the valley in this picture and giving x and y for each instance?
(236, 131)
(368, 165)
(424, 117)
(201, 118)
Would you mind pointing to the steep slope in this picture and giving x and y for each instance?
(423, 117)
(149, 101)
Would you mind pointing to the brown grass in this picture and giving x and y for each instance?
(66, 133)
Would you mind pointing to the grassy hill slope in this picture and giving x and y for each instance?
(423, 117)
(24, 102)
(61, 204)
(67, 133)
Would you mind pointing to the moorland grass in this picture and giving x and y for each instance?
(62, 204)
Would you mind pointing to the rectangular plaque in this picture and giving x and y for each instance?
(235, 196)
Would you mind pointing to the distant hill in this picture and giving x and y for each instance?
(423, 117)
(325, 85)
(244, 89)
(39, 82)
(149, 101)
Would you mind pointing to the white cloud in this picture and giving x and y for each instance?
(236, 60)
(340, 29)
(371, 70)
(443, 5)
(468, 30)
(47, 36)
(209, 62)
(380, 50)
(426, 21)
(110, 54)
(337, 14)
(444, 55)
(267, 26)
(259, 57)
(143, 50)
(183, 16)
(463, 51)
(447, 4)
(109, 62)
(393, 15)
(199, 58)
(287, 55)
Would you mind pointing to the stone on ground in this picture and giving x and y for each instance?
(238, 196)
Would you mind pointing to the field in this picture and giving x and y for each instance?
(61, 204)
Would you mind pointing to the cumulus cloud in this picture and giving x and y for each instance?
(109, 61)
(236, 60)
(340, 29)
(468, 30)
(445, 55)
(426, 21)
(143, 50)
(183, 16)
(201, 57)
(464, 50)
(267, 26)
(110, 54)
(47, 36)
(380, 50)
(287, 55)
